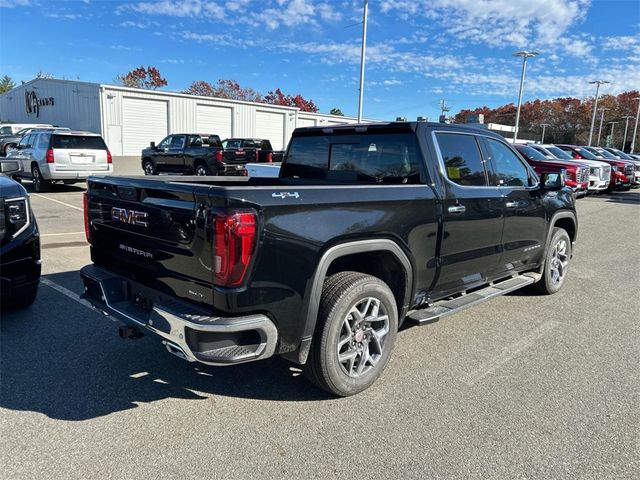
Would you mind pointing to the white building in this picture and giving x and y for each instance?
(130, 118)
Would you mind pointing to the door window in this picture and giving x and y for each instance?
(462, 160)
(165, 143)
(26, 141)
(177, 141)
(508, 169)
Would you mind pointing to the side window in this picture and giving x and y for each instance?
(25, 141)
(195, 141)
(509, 170)
(43, 141)
(462, 160)
(165, 143)
(177, 141)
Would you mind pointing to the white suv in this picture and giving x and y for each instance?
(61, 155)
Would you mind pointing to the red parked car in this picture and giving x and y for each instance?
(621, 170)
(577, 174)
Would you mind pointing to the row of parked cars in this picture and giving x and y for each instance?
(587, 169)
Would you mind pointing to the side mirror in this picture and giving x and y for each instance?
(552, 181)
(152, 145)
(10, 167)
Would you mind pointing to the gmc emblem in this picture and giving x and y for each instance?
(132, 217)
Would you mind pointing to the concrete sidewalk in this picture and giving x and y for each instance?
(127, 166)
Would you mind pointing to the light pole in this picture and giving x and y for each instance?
(362, 51)
(544, 126)
(602, 110)
(613, 124)
(626, 127)
(524, 54)
(595, 106)
(635, 130)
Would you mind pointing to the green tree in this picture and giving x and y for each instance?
(336, 111)
(6, 84)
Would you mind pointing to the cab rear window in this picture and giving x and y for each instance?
(369, 158)
(77, 142)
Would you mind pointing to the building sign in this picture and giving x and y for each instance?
(34, 103)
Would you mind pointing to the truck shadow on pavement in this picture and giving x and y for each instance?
(66, 361)
(632, 197)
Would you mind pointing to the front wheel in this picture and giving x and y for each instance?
(556, 264)
(355, 334)
(149, 168)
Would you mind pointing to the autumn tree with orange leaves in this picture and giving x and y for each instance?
(569, 118)
(148, 78)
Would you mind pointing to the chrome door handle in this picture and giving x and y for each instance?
(511, 204)
(457, 209)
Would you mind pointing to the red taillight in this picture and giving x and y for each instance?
(270, 157)
(87, 223)
(234, 243)
(219, 156)
(49, 156)
(109, 157)
(257, 155)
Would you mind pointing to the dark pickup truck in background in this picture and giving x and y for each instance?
(367, 227)
(189, 153)
(250, 150)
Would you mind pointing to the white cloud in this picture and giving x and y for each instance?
(329, 13)
(497, 23)
(175, 8)
(14, 3)
(66, 16)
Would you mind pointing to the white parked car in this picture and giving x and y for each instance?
(599, 172)
(49, 156)
(13, 128)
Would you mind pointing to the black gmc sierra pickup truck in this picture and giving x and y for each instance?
(189, 153)
(367, 227)
(257, 150)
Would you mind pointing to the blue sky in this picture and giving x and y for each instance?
(418, 51)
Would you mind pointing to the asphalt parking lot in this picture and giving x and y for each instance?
(521, 386)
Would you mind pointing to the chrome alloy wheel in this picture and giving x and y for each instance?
(559, 262)
(362, 337)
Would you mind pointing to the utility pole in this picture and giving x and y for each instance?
(613, 124)
(524, 54)
(365, 13)
(595, 106)
(626, 127)
(635, 130)
(544, 126)
(602, 110)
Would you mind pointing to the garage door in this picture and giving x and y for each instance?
(306, 122)
(270, 125)
(143, 121)
(214, 120)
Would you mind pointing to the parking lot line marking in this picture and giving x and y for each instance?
(65, 291)
(57, 201)
(60, 234)
(509, 353)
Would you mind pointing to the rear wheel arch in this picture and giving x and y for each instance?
(352, 256)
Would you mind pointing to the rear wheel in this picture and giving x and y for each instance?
(557, 261)
(149, 168)
(39, 183)
(201, 170)
(355, 334)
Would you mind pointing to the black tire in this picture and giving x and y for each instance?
(39, 183)
(201, 169)
(557, 262)
(149, 167)
(343, 294)
(22, 298)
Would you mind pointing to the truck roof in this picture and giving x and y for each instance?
(390, 127)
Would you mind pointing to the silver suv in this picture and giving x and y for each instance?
(61, 155)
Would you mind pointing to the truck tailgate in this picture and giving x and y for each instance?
(154, 233)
